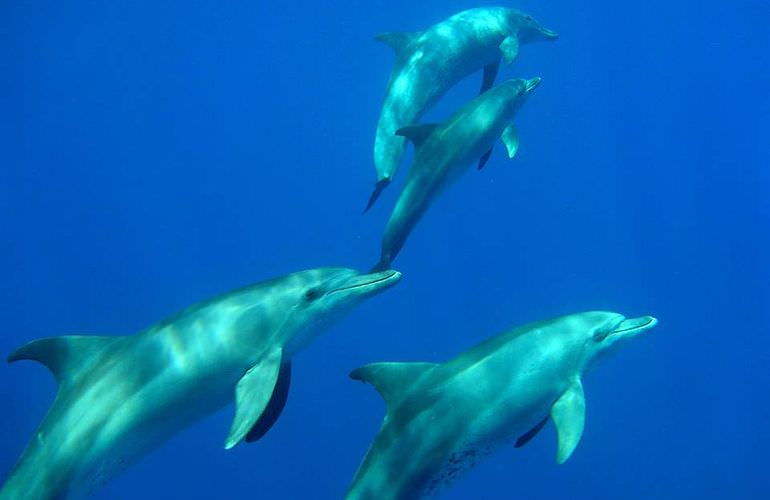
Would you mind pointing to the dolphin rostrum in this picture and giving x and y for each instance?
(443, 152)
(120, 397)
(430, 62)
(443, 418)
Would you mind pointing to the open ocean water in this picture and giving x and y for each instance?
(155, 154)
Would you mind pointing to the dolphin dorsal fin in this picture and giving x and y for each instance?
(417, 133)
(390, 379)
(398, 40)
(64, 356)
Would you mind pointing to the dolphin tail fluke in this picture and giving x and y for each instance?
(378, 187)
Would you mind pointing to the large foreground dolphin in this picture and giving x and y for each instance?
(442, 418)
(119, 397)
(443, 152)
(429, 63)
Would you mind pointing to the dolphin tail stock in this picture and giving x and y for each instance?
(382, 265)
(379, 186)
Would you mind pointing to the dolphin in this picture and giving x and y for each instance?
(443, 152)
(430, 62)
(443, 418)
(121, 396)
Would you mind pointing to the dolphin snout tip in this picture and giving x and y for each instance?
(637, 325)
(532, 83)
(551, 35)
(651, 321)
(386, 274)
(394, 275)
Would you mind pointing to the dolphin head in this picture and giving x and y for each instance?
(527, 28)
(600, 332)
(329, 290)
(516, 92)
(317, 297)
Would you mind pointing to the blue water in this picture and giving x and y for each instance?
(158, 153)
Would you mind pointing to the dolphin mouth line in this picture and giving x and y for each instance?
(649, 322)
(368, 283)
(550, 34)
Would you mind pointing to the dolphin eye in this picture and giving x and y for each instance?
(601, 335)
(312, 294)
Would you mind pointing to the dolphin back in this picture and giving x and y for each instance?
(43, 471)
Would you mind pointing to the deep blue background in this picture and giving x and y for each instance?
(157, 153)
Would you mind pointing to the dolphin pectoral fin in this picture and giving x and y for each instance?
(485, 158)
(417, 133)
(252, 395)
(510, 138)
(389, 379)
(399, 41)
(490, 73)
(510, 49)
(378, 187)
(274, 406)
(569, 414)
(64, 356)
(527, 436)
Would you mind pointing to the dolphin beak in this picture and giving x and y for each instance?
(548, 34)
(367, 284)
(533, 83)
(634, 326)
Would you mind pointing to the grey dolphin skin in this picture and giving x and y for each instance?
(120, 397)
(429, 63)
(443, 418)
(443, 152)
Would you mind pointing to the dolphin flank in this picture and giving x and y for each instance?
(443, 152)
(443, 418)
(120, 397)
(430, 62)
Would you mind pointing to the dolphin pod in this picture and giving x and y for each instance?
(119, 397)
(442, 418)
(429, 63)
